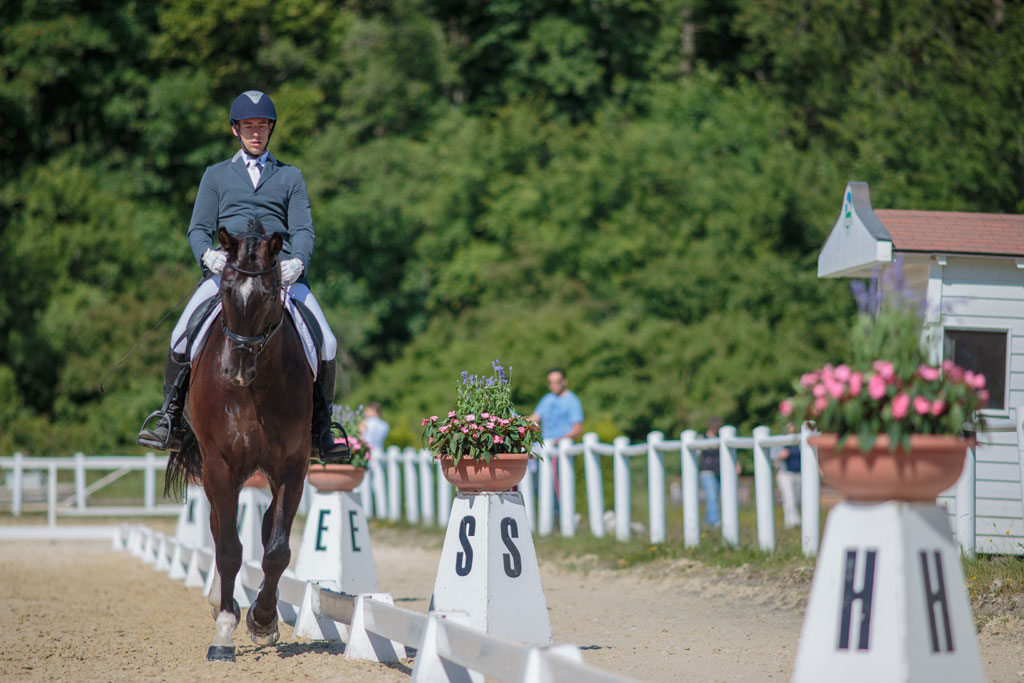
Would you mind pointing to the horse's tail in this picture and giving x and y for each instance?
(183, 466)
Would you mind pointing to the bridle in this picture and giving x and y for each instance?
(255, 344)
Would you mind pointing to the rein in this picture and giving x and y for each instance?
(256, 344)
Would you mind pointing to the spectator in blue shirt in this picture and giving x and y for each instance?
(559, 413)
(374, 429)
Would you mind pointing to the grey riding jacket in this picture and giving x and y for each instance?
(227, 198)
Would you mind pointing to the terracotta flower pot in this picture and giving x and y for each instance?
(257, 480)
(933, 465)
(475, 476)
(336, 477)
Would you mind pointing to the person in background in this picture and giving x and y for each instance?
(559, 414)
(788, 478)
(373, 429)
(709, 466)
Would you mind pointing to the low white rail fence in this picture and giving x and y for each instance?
(407, 484)
(446, 648)
(413, 472)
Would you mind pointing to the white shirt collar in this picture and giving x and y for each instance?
(249, 161)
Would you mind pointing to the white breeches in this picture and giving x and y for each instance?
(297, 291)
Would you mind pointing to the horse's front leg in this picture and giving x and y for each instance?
(228, 552)
(261, 619)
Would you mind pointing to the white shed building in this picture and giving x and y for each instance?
(969, 268)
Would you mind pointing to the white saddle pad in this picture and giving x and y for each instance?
(300, 326)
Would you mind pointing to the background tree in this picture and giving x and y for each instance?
(636, 190)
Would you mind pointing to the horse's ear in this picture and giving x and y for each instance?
(274, 244)
(224, 237)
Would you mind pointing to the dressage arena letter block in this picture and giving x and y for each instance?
(489, 569)
(888, 601)
(252, 505)
(193, 529)
(336, 544)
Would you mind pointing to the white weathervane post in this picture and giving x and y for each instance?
(489, 571)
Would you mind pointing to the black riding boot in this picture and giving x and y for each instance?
(166, 434)
(324, 447)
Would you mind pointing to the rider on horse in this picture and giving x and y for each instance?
(250, 186)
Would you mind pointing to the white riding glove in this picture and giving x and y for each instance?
(214, 260)
(291, 269)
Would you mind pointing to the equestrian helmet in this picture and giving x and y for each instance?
(252, 104)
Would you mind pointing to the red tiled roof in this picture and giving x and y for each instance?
(954, 232)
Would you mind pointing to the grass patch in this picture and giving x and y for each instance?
(995, 586)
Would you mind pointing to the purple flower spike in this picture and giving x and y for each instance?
(866, 294)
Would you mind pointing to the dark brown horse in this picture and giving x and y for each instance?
(250, 404)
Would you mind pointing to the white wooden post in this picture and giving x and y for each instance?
(764, 490)
(394, 484)
(546, 494)
(810, 494)
(622, 500)
(1018, 419)
(19, 480)
(966, 506)
(426, 463)
(691, 497)
(80, 480)
(595, 490)
(730, 486)
(379, 482)
(51, 497)
(566, 489)
(527, 489)
(149, 490)
(656, 486)
(412, 503)
(444, 496)
(365, 492)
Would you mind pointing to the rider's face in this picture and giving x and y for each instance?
(254, 134)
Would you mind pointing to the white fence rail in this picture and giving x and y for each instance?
(407, 484)
(446, 648)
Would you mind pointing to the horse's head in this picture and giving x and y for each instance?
(250, 292)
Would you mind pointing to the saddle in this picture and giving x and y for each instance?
(197, 331)
(198, 328)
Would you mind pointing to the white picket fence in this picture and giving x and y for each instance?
(407, 484)
(446, 648)
(408, 476)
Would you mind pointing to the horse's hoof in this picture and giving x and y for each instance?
(264, 641)
(262, 635)
(220, 653)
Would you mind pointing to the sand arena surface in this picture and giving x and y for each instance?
(75, 611)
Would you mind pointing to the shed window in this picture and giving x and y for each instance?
(983, 352)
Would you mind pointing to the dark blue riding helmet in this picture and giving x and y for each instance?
(252, 104)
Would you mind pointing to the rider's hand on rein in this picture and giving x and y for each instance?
(214, 260)
(291, 269)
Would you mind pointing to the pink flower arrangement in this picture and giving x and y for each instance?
(483, 423)
(923, 399)
(905, 393)
(350, 419)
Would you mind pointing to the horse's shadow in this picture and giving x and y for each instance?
(333, 648)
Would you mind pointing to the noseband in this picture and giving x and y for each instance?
(256, 344)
